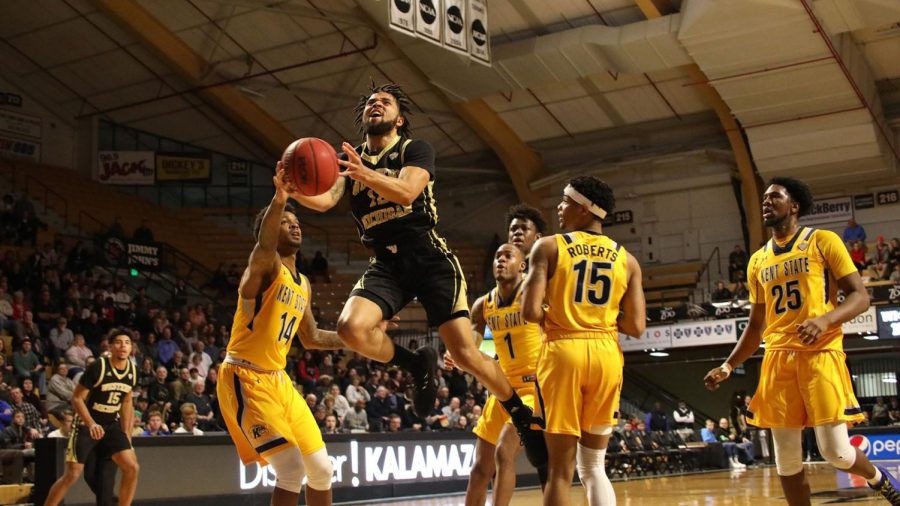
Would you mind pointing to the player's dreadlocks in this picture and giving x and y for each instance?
(403, 104)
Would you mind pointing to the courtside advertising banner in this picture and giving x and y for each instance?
(658, 337)
(862, 324)
(889, 322)
(126, 167)
(839, 209)
(455, 34)
(180, 168)
(479, 41)
(429, 19)
(403, 17)
(704, 333)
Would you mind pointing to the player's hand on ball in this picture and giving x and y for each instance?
(353, 166)
(715, 376)
(283, 185)
(812, 329)
(97, 432)
(449, 364)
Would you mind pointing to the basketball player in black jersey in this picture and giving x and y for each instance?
(103, 419)
(390, 180)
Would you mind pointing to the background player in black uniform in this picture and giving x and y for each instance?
(103, 419)
(390, 179)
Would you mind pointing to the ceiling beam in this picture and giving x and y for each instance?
(751, 184)
(178, 55)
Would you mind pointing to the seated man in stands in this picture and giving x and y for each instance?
(721, 293)
(881, 267)
(858, 255)
(709, 435)
(853, 233)
(725, 433)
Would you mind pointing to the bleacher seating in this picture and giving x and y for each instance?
(671, 284)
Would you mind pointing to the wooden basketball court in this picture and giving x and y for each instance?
(753, 487)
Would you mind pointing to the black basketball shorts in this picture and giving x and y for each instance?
(81, 444)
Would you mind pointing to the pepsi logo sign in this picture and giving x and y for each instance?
(861, 442)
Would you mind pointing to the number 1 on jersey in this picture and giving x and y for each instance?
(597, 287)
(287, 328)
(508, 339)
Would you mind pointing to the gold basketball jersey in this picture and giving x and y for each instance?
(263, 327)
(586, 288)
(796, 282)
(517, 342)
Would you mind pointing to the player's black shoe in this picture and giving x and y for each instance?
(531, 439)
(889, 487)
(425, 381)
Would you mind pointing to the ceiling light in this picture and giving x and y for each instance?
(888, 380)
(658, 353)
(871, 337)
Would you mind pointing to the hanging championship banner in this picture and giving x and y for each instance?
(829, 211)
(20, 124)
(479, 42)
(429, 20)
(126, 167)
(455, 35)
(403, 18)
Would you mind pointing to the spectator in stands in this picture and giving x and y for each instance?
(200, 360)
(7, 378)
(19, 306)
(18, 438)
(683, 417)
(725, 432)
(451, 412)
(32, 397)
(395, 423)
(721, 293)
(65, 425)
(858, 255)
(881, 267)
(740, 291)
(307, 371)
(895, 276)
(60, 389)
(341, 404)
(46, 311)
(7, 322)
(319, 268)
(158, 392)
(357, 419)
(380, 408)
(894, 412)
(155, 425)
(854, 232)
(78, 354)
(61, 338)
(188, 421)
(880, 412)
(710, 435)
(26, 364)
(6, 413)
(181, 385)
(658, 419)
(894, 251)
(143, 233)
(737, 264)
(319, 414)
(331, 425)
(202, 404)
(32, 416)
(166, 348)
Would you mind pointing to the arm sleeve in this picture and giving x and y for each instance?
(756, 293)
(419, 154)
(91, 375)
(835, 254)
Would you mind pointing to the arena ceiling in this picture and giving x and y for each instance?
(578, 82)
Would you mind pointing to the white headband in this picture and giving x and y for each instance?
(575, 195)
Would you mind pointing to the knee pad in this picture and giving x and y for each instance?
(834, 445)
(788, 451)
(319, 470)
(288, 466)
(599, 430)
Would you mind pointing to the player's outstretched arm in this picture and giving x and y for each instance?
(264, 261)
(401, 190)
(746, 346)
(324, 201)
(633, 318)
(543, 255)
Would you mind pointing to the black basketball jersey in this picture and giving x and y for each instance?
(381, 222)
(108, 387)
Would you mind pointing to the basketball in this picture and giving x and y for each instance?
(312, 163)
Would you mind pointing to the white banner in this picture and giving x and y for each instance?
(126, 167)
(403, 19)
(18, 148)
(479, 41)
(659, 337)
(865, 323)
(455, 34)
(703, 333)
(429, 19)
(829, 211)
(20, 124)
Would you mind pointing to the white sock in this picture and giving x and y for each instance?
(592, 471)
(875, 479)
